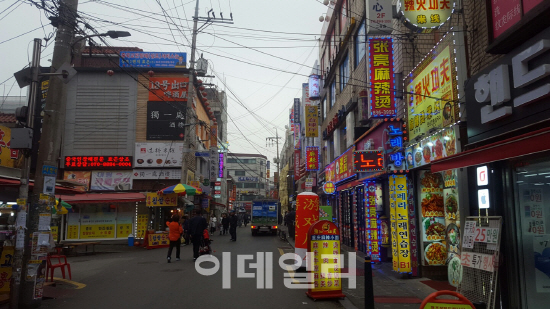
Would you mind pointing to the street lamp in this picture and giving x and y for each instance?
(111, 33)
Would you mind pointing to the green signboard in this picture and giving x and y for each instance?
(325, 213)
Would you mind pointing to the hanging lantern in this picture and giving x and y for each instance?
(151, 73)
(110, 72)
(206, 102)
(199, 81)
(208, 108)
(201, 88)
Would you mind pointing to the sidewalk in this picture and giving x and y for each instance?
(391, 290)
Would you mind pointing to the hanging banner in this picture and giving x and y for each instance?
(296, 164)
(400, 224)
(312, 158)
(111, 180)
(312, 121)
(382, 93)
(307, 213)
(324, 243)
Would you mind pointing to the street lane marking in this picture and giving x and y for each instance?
(78, 285)
(289, 269)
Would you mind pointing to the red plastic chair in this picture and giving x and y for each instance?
(60, 264)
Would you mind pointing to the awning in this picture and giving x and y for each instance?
(60, 189)
(521, 145)
(122, 197)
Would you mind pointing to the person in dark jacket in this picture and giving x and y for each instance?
(233, 221)
(186, 235)
(197, 225)
(174, 235)
(246, 219)
(225, 223)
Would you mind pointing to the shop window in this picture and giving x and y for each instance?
(344, 73)
(532, 184)
(324, 108)
(239, 184)
(360, 44)
(332, 93)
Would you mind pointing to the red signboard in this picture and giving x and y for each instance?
(312, 158)
(296, 164)
(506, 13)
(373, 230)
(341, 168)
(98, 162)
(382, 94)
(168, 88)
(307, 213)
(368, 161)
(529, 4)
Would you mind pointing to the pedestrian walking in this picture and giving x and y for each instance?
(197, 225)
(233, 221)
(213, 222)
(174, 234)
(246, 219)
(225, 223)
(186, 235)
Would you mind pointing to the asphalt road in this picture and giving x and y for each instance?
(141, 278)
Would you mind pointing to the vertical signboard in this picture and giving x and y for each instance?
(296, 164)
(382, 93)
(214, 136)
(400, 224)
(432, 219)
(314, 93)
(373, 233)
(297, 142)
(312, 121)
(296, 110)
(221, 165)
(379, 16)
(324, 243)
(312, 158)
(307, 213)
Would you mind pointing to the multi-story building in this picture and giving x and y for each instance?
(249, 173)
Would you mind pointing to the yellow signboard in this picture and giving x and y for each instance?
(97, 231)
(141, 226)
(123, 230)
(432, 93)
(156, 200)
(55, 232)
(399, 218)
(312, 121)
(72, 232)
(426, 14)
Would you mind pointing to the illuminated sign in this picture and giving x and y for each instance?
(296, 164)
(98, 162)
(220, 166)
(296, 110)
(314, 87)
(432, 90)
(425, 13)
(168, 88)
(368, 161)
(313, 158)
(399, 219)
(341, 168)
(382, 93)
(372, 224)
(329, 187)
(395, 141)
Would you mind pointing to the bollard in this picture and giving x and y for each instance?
(369, 292)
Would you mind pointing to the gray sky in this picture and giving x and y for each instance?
(264, 56)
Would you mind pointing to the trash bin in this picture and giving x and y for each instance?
(130, 240)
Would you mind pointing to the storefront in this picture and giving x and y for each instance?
(508, 166)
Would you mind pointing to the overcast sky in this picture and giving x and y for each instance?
(264, 56)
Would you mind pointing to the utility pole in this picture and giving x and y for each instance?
(48, 154)
(276, 139)
(25, 172)
(189, 141)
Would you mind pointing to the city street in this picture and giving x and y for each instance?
(140, 278)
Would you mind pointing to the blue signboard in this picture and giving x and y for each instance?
(152, 59)
(48, 170)
(202, 154)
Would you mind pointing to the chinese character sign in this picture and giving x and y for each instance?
(341, 168)
(312, 121)
(382, 93)
(373, 233)
(296, 110)
(329, 187)
(312, 158)
(324, 261)
(399, 218)
(296, 164)
(168, 88)
(307, 213)
(432, 93)
(426, 13)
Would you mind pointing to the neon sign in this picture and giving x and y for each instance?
(368, 161)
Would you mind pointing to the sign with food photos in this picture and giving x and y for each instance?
(432, 218)
(399, 218)
(435, 147)
(431, 89)
(324, 243)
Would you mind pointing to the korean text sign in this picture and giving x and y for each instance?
(307, 213)
(98, 162)
(324, 243)
(139, 59)
(382, 94)
(154, 199)
(400, 224)
(168, 88)
(312, 158)
(432, 89)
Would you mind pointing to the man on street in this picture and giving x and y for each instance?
(197, 225)
(233, 221)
